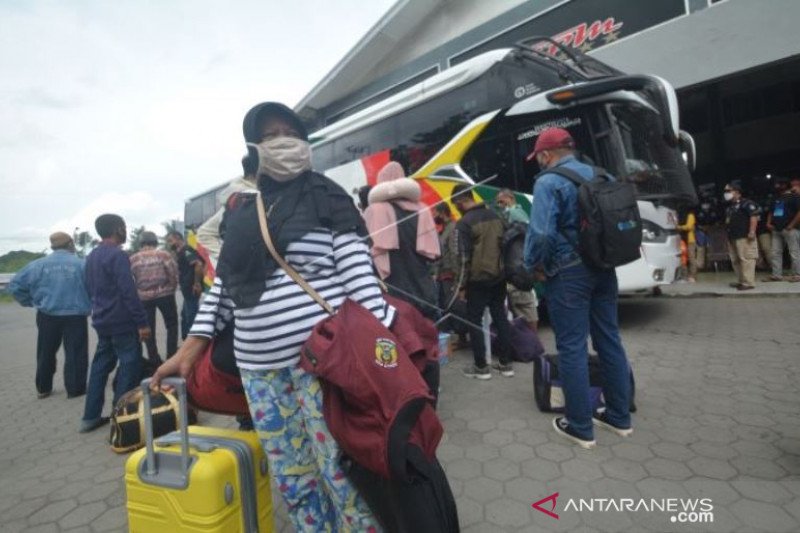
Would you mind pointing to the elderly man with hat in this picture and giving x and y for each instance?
(581, 299)
(54, 285)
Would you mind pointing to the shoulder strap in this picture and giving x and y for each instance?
(600, 172)
(576, 180)
(571, 175)
(294, 274)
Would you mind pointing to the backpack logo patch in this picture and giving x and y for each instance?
(385, 353)
(625, 225)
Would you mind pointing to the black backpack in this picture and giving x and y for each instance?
(513, 248)
(610, 233)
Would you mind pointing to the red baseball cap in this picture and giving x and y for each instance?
(551, 139)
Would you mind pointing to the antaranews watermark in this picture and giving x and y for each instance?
(680, 510)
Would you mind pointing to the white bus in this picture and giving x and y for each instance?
(476, 122)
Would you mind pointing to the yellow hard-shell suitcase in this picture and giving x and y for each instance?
(198, 479)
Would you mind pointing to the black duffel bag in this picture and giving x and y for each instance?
(127, 420)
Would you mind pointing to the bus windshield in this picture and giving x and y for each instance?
(647, 160)
(626, 138)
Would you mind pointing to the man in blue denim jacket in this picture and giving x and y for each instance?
(54, 286)
(581, 300)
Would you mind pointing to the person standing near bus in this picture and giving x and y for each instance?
(741, 221)
(689, 237)
(404, 239)
(581, 300)
(522, 303)
(316, 227)
(479, 237)
(783, 220)
(510, 209)
(208, 233)
(190, 279)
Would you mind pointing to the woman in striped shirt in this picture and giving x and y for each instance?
(319, 232)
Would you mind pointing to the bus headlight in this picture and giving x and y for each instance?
(652, 232)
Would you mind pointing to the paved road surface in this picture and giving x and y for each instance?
(718, 389)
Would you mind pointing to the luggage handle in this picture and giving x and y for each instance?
(160, 469)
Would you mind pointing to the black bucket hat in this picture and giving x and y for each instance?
(251, 127)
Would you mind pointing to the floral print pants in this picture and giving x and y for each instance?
(286, 406)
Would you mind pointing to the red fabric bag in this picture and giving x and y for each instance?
(210, 389)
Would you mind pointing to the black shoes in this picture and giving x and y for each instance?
(476, 372)
(507, 370)
(563, 428)
(599, 419)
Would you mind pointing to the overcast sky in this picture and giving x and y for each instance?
(133, 106)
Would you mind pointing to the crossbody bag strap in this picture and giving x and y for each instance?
(294, 274)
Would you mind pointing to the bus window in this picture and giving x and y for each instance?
(322, 156)
(364, 142)
(193, 214)
(423, 130)
(209, 205)
(527, 129)
(490, 157)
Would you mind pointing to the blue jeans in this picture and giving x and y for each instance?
(191, 304)
(124, 347)
(583, 301)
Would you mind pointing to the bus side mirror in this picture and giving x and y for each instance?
(688, 151)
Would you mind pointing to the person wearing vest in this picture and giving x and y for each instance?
(479, 237)
(581, 300)
(741, 220)
(404, 239)
(783, 220)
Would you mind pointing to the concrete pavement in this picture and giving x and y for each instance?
(718, 391)
(718, 284)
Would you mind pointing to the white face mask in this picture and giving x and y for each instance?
(283, 158)
(728, 196)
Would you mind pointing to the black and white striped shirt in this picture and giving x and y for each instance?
(270, 335)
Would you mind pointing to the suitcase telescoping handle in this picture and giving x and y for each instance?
(151, 468)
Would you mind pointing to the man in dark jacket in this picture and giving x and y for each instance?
(783, 220)
(190, 279)
(741, 221)
(118, 317)
(479, 238)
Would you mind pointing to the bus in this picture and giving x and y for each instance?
(476, 122)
